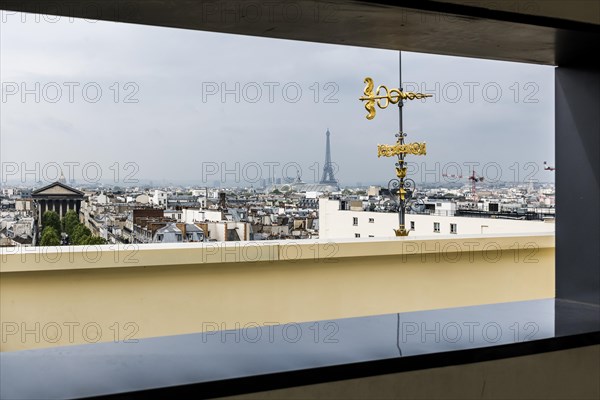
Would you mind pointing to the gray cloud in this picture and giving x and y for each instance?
(174, 127)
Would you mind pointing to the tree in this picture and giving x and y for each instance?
(95, 240)
(80, 234)
(276, 191)
(51, 219)
(69, 222)
(50, 237)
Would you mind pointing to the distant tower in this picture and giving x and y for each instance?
(62, 178)
(530, 186)
(328, 178)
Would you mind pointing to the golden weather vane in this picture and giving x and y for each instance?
(392, 96)
(383, 97)
(387, 150)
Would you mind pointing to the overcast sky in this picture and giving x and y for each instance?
(162, 109)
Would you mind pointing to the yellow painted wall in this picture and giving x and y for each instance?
(148, 291)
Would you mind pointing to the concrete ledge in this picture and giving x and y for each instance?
(30, 259)
(151, 291)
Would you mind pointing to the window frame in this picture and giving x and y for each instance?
(453, 228)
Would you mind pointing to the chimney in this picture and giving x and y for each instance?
(181, 227)
(222, 200)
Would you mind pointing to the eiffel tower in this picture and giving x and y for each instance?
(328, 178)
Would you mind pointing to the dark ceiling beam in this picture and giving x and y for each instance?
(438, 27)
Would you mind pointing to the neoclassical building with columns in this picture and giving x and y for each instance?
(57, 197)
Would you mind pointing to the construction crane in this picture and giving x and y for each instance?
(474, 178)
(548, 168)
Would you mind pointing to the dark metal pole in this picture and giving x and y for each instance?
(400, 103)
(401, 200)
